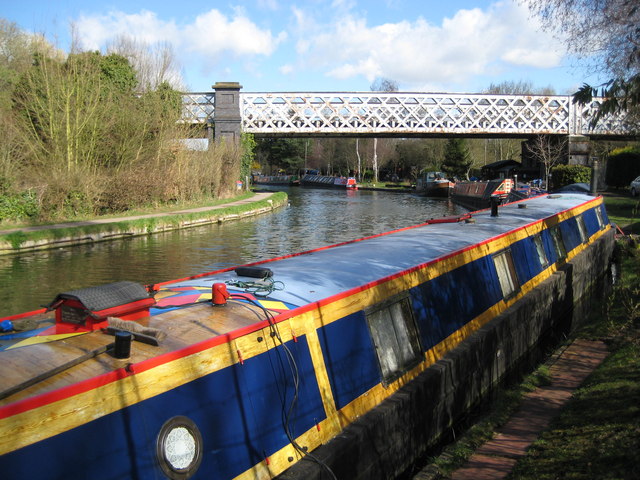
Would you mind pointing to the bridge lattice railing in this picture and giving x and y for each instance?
(198, 107)
(402, 113)
(376, 113)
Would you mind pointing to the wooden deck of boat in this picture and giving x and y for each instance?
(183, 327)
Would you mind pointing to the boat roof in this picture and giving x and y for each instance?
(184, 312)
(315, 275)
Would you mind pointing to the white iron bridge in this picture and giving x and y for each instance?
(395, 114)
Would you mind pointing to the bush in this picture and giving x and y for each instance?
(622, 167)
(76, 204)
(567, 174)
(18, 206)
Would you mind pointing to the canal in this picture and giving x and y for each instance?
(314, 218)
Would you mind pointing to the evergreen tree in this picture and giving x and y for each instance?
(457, 160)
(281, 153)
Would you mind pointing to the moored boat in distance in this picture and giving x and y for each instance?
(524, 190)
(477, 195)
(355, 357)
(311, 180)
(434, 184)
(276, 180)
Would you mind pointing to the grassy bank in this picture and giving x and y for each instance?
(149, 210)
(624, 211)
(597, 435)
(97, 229)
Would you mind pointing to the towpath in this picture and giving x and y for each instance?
(495, 459)
(255, 198)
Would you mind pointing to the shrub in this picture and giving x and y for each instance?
(567, 174)
(622, 167)
(77, 204)
(18, 206)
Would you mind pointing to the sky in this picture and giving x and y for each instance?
(321, 45)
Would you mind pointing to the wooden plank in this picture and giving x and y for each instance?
(183, 327)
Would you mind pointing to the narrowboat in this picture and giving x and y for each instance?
(325, 181)
(521, 191)
(478, 195)
(339, 362)
(288, 180)
(434, 184)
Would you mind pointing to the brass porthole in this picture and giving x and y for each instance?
(179, 448)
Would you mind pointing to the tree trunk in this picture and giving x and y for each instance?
(375, 160)
(358, 155)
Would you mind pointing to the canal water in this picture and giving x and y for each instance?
(314, 218)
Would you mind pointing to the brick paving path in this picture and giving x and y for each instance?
(495, 459)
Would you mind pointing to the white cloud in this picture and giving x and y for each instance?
(210, 34)
(208, 43)
(416, 53)
(526, 44)
(268, 4)
(213, 33)
(336, 39)
(287, 69)
(343, 4)
(96, 31)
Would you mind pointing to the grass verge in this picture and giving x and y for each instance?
(143, 210)
(504, 404)
(597, 435)
(624, 211)
(20, 238)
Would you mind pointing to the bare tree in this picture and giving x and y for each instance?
(605, 33)
(359, 160)
(380, 85)
(549, 151)
(384, 85)
(154, 64)
(522, 87)
(497, 149)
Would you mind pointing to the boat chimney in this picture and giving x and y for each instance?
(122, 347)
(219, 294)
(494, 205)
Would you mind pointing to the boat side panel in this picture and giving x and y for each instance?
(238, 410)
(446, 303)
(525, 259)
(248, 426)
(570, 234)
(113, 446)
(603, 211)
(549, 249)
(591, 221)
(350, 358)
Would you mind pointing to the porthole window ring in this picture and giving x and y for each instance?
(179, 448)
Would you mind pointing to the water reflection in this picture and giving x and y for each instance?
(314, 218)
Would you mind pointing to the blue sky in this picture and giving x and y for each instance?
(320, 45)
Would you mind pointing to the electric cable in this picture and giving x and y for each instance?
(293, 366)
(256, 288)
